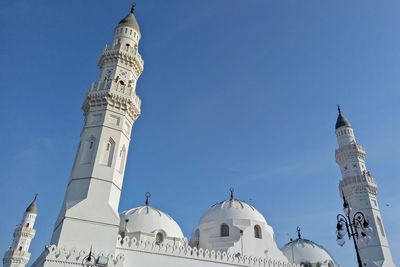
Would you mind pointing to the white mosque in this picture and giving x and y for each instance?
(91, 231)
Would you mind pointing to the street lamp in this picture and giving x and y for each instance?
(355, 227)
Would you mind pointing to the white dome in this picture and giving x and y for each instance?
(149, 220)
(303, 251)
(232, 209)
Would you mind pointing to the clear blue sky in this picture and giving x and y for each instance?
(234, 93)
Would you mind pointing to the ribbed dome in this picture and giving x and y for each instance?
(130, 21)
(232, 209)
(305, 251)
(149, 220)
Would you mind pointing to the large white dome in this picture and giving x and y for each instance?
(232, 209)
(149, 220)
(305, 251)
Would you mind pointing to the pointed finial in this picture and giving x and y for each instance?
(298, 232)
(34, 199)
(148, 195)
(338, 109)
(133, 8)
(90, 253)
(231, 190)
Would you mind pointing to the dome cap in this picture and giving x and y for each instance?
(130, 20)
(341, 120)
(32, 208)
(302, 250)
(232, 209)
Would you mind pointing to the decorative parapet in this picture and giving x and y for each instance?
(25, 232)
(16, 257)
(126, 54)
(54, 256)
(359, 183)
(352, 150)
(197, 254)
(130, 104)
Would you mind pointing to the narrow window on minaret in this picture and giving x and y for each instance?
(27, 225)
(380, 225)
(20, 248)
(107, 155)
(87, 151)
(122, 156)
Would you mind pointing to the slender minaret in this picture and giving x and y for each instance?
(89, 215)
(18, 254)
(360, 188)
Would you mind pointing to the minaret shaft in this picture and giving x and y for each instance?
(360, 190)
(89, 215)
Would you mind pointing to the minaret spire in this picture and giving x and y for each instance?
(359, 192)
(133, 8)
(338, 108)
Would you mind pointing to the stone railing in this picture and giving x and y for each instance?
(25, 231)
(364, 178)
(358, 147)
(123, 48)
(197, 254)
(111, 85)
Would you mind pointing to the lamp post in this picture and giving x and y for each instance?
(356, 227)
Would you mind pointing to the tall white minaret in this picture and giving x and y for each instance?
(18, 254)
(360, 188)
(89, 215)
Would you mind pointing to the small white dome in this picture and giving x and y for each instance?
(149, 220)
(305, 251)
(232, 209)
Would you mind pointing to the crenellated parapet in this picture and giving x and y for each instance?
(55, 256)
(127, 246)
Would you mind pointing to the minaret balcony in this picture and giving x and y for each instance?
(350, 147)
(111, 86)
(349, 152)
(25, 232)
(122, 49)
(364, 179)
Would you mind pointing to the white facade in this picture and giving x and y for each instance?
(18, 254)
(360, 190)
(90, 230)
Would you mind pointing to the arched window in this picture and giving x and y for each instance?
(224, 230)
(159, 238)
(108, 152)
(20, 248)
(257, 231)
(27, 225)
